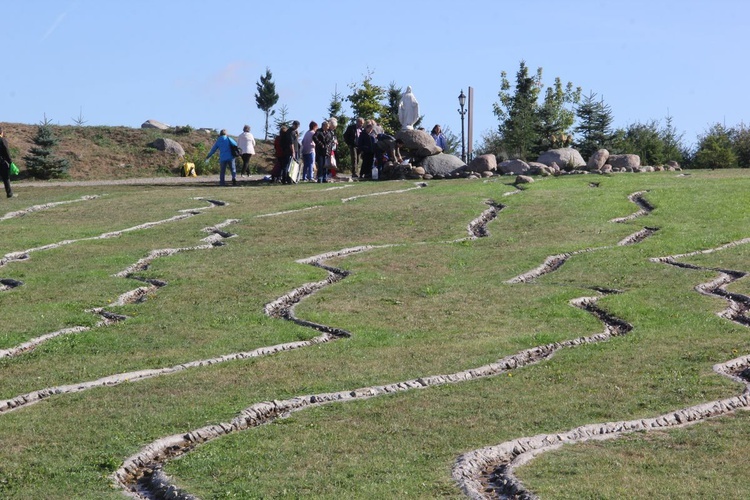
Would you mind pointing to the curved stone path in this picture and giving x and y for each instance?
(488, 473)
(107, 317)
(45, 206)
(141, 474)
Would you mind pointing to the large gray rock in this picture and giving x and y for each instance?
(567, 158)
(482, 163)
(628, 162)
(419, 143)
(597, 160)
(155, 124)
(515, 167)
(442, 164)
(169, 146)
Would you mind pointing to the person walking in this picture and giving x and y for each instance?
(226, 160)
(246, 142)
(351, 135)
(308, 152)
(5, 162)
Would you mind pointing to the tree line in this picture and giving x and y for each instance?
(531, 122)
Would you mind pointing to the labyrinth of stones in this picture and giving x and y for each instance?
(188, 249)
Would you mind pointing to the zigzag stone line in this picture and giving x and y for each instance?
(142, 473)
(45, 206)
(107, 318)
(554, 262)
(645, 207)
(24, 254)
(419, 185)
(489, 472)
(130, 297)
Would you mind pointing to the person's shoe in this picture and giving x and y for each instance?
(234, 182)
(10, 194)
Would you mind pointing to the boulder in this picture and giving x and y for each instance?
(514, 167)
(567, 158)
(524, 179)
(169, 146)
(673, 164)
(482, 163)
(628, 162)
(536, 168)
(419, 143)
(155, 124)
(441, 163)
(597, 160)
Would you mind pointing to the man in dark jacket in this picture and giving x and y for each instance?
(289, 150)
(351, 135)
(5, 162)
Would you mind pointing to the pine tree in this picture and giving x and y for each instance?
(266, 97)
(40, 161)
(283, 118)
(391, 123)
(366, 99)
(555, 119)
(715, 149)
(594, 129)
(518, 112)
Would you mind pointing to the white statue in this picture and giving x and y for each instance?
(408, 110)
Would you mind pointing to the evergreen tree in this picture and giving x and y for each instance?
(673, 147)
(366, 99)
(715, 149)
(594, 130)
(644, 140)
(518, 112)
(741, 145)
(40, 161)
(555, 119)
(266, 97)
(283, 118)
(391, 123)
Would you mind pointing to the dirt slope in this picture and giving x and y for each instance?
(100, 152)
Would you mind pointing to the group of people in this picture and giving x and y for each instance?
(369, 150)
(225, 146)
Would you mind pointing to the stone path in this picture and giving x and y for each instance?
(484, 473)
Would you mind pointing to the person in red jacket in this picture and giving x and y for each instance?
(5, 162)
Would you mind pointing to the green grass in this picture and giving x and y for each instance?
(423, 307)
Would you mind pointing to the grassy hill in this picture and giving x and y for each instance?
(357, 340)
(120, 152)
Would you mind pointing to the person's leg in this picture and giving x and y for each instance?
(222, 172)
(245, 164)
(353, 159)
(233, 167)
(307, 160)
(321, 162)
(5, 175)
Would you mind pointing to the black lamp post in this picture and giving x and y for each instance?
(462, 112)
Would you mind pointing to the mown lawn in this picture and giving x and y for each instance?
(425, 305)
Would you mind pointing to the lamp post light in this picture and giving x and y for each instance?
(462, 112)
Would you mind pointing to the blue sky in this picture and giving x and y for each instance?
(191, 62)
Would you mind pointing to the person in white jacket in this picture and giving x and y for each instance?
(246, 142)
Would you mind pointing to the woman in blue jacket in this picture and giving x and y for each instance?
(225, 156)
